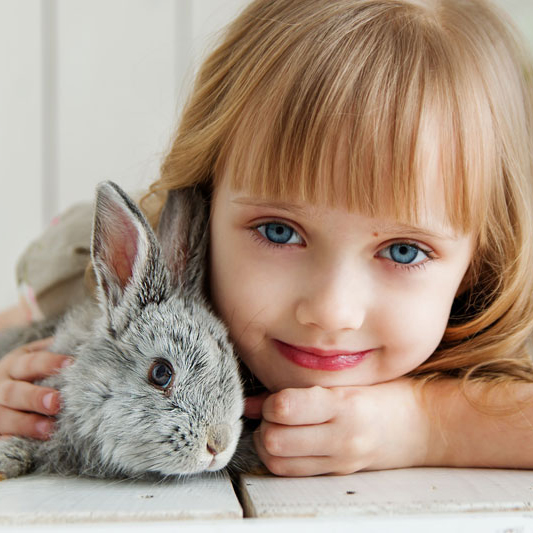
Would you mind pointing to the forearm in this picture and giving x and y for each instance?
(499, 434)
(18, 315)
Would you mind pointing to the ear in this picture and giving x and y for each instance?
(125, 255)
(183, 234)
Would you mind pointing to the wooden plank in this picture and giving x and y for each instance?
(465, 522)
(404, 491)
(117, 93)
(20, 135)
(45, 499)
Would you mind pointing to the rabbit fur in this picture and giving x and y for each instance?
(121, 416)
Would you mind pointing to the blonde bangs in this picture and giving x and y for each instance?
(355, 120)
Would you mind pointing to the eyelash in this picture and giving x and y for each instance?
(261, 239)
(410, 266)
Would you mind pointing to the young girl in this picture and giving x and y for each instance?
(370, 171)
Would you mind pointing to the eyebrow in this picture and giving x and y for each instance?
(384, 228)
(282, 206)
(407, 230)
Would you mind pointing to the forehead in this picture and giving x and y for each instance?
(431, 218)
(361, 165)
(337, 181)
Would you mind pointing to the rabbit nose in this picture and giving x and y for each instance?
(218, 438)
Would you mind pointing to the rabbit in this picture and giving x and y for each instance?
(154, 388)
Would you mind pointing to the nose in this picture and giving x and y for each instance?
(334, 299)
(218, 438)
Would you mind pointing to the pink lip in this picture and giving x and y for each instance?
(320, 359)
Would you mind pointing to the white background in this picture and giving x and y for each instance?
(91, 90)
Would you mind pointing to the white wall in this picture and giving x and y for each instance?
(90, 90)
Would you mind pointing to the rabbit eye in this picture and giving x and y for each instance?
(161, 374)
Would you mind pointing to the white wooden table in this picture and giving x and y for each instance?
(410, 500)
(412, 491)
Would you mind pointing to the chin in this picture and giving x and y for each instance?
(315, 378)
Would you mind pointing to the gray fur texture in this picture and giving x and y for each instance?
(121, 416)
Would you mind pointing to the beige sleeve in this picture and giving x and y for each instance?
(50, 272)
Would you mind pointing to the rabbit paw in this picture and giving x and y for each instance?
(16, 457)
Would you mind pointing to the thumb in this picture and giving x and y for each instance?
(254, 404)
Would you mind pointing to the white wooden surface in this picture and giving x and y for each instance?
(470, 523)
(40, 499)
(411, 500)
(405, 491)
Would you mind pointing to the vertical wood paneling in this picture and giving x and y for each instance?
(209, 17)
(116, 92)
(183, 38)
(20, 135)
(49, 112)
(91, 91)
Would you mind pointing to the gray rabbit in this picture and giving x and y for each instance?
(155, 386)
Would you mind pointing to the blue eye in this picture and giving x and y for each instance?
(404, 253)
(161, 374)
(279, 233)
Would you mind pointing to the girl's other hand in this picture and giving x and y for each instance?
(26, 409)
(341, 430)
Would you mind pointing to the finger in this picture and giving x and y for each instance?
(304, 466)
(297, 441)
(25, 424)
(31, 365)
(38, 345)
(254, 404)
(297, 407)
(24, 396)
(295, 466)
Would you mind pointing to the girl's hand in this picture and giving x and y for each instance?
(23, 404)
(341, 430)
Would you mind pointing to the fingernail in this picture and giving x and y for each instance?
(44, 428)
(67, 362)
(47, 400)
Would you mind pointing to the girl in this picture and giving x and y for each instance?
(370, 171)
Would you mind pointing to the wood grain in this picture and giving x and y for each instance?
(40, 499)
(405, 491)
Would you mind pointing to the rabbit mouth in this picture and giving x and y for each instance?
(207, 461)
(218, 462)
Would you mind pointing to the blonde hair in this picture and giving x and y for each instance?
(389, 81)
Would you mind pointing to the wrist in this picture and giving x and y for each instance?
(406, 438)
(419, 440)
(438, 403)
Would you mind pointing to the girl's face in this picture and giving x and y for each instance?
(320, 296)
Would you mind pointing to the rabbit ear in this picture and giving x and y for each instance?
(183, 234)
(125, 255)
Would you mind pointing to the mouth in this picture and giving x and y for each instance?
(316, 359)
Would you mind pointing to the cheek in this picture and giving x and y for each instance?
(242, 310)
(414, 326)
(237, 289)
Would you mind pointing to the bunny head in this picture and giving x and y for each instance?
(155, 386)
